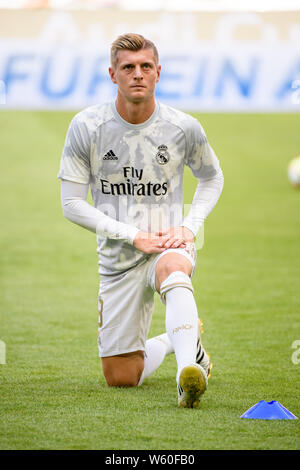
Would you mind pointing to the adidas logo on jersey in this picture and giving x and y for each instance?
(110, 156)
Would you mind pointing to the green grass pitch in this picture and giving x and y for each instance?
(247, 285)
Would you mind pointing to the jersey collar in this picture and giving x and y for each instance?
(135, 126)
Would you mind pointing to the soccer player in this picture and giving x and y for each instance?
(132, 153)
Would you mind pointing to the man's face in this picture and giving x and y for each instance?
(136, 74)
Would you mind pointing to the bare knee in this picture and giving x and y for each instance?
(170, 267)
(122, 378)
(124, 370)
(169, 264)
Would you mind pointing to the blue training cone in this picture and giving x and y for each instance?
(268, 410)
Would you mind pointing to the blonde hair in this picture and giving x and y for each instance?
(131, 42)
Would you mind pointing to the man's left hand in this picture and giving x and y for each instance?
(177, 237)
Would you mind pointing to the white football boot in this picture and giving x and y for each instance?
(202, 357)
(193, 378)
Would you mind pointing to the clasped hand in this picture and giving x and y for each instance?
(175, 237)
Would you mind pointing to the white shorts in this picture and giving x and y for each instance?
(126, 304)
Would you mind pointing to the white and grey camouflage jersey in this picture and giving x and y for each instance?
(135, 171)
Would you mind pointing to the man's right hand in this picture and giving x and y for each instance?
(149, 242)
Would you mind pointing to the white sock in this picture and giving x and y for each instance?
(165, 339)
(157, 349)
(182, 324)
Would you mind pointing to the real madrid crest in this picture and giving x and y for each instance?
(162, 155)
